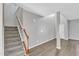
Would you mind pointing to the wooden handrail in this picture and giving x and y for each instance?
(22, 28)
(24, 43)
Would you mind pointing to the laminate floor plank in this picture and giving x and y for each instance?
(68, 48)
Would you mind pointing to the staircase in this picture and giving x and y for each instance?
(12, 42)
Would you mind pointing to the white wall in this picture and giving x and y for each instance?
(39, 29)
(19, 13)
(73, 29)
(64, 27)
(9, 14)
(1, 31)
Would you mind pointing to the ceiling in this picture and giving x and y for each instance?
(69, 10)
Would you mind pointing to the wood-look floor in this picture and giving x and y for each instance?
(69, 48)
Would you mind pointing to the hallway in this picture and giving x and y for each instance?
(69, 48)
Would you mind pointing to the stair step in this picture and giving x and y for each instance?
(20, 53)
(10, 32)
(10, 27)
(14, 51)
(7, 29)
(13, 48)
(11, 40)
(12, 44)
(14, 33)
(10, 35)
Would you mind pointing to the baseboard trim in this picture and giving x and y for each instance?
(41, 43)
(63, 39)
(58, 48)
(72, 39)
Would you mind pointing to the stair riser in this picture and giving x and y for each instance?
(10, 27)
(7, 29)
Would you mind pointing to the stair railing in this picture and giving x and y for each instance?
(25, 39)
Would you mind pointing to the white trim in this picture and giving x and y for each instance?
(73, 39)
(58, 47)
(41, 43)
(20, 33)
(64, 38)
